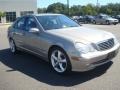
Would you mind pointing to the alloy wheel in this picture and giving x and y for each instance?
(12, 46)
(59, 61)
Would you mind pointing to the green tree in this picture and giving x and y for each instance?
(111, 9)
(114, 8)
(2, 14)
(41, 10)
(83, 10)
(57, 8)
(76, 10)
(89, 10)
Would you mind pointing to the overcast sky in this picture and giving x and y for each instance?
(45, 3)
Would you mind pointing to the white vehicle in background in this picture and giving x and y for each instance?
(105, 19)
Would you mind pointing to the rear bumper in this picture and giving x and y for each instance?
(92, 60)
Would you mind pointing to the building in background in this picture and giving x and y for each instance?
(17, 8)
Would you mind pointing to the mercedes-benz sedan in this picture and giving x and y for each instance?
(59, 40)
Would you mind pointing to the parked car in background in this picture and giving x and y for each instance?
(117, 17)
(79, 19)
(105, 19)
(88, 18)
(75, 18)
(62, 42)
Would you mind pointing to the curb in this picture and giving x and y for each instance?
(4, 24)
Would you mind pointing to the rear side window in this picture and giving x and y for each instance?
(20, 24)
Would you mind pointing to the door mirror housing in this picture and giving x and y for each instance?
(34, 30)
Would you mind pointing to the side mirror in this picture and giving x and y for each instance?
(34, 30)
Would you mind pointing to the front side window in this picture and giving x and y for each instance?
(30, 23)
(50, 22)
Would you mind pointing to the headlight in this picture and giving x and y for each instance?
(82, 48)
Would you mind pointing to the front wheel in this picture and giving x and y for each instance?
(59, 61)
(115, 23)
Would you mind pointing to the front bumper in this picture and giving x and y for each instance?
(89, 61)
(114, 22)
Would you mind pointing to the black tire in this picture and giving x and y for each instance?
(68, 68)
(94, 22)
(107, 22)
(15, 51)
(115, 23)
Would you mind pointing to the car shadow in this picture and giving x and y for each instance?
(40, 70)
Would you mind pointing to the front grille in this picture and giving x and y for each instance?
(106, 45)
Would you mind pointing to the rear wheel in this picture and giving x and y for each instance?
(94, 22)
(59, 61)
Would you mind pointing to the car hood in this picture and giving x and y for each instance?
(82, 34)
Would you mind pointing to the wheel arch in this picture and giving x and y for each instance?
(55, 46)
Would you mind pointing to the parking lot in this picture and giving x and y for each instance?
(27, 72)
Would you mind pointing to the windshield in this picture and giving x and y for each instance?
(50, 22)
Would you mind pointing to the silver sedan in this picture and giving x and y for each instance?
(59, 40)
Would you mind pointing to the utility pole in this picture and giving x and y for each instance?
(68, 5)
(97, 4)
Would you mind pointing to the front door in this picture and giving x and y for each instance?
(33, 41)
